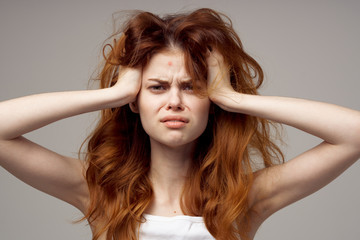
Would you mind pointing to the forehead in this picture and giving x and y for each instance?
(166, 64)
(168, 54)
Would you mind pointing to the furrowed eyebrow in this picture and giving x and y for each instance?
(161, 81)
(187, 80)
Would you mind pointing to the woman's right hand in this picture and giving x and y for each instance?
(128, 83)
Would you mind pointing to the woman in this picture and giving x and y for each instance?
(173, 154)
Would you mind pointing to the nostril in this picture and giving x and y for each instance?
(175, 107)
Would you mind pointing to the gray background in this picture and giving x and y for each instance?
(308, 49)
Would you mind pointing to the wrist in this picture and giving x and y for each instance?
(227, 100)
(114, 98)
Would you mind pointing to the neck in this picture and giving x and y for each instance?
(168, 173)
(169, 166)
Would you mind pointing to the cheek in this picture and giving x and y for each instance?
(202, 111)
(144, 110)
(145, 119)
(203, 106)
(142, 107)
(148, 107)
(148, 104)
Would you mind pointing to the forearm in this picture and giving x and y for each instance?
(334, 124)
(22, 115)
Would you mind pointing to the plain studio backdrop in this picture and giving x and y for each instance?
(308, 49)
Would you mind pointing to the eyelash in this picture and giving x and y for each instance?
(158, 88)
(187, 87)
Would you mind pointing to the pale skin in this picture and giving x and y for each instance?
(166, 94)
(171, 143)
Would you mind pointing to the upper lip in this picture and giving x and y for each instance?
(174, 118)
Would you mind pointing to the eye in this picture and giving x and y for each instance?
(187, 87)
(157, 88)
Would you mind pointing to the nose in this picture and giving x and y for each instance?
(175, 102)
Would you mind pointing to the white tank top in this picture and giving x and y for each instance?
(174, 228)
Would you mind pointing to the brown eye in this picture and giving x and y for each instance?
(187, 87)
(157, 88)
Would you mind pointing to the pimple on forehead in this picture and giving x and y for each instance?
(170, 63)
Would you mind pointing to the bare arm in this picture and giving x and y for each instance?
(339, 127)
(45, 170)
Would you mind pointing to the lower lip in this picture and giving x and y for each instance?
(174, 124)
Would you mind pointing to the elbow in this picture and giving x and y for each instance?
(357, 133)
(355, 137)
(349, 136)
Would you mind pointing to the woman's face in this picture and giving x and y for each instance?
(170, 112)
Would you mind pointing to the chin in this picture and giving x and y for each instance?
(174, 142)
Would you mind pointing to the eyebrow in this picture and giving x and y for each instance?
(163, 81)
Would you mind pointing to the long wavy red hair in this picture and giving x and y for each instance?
(221, 174)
